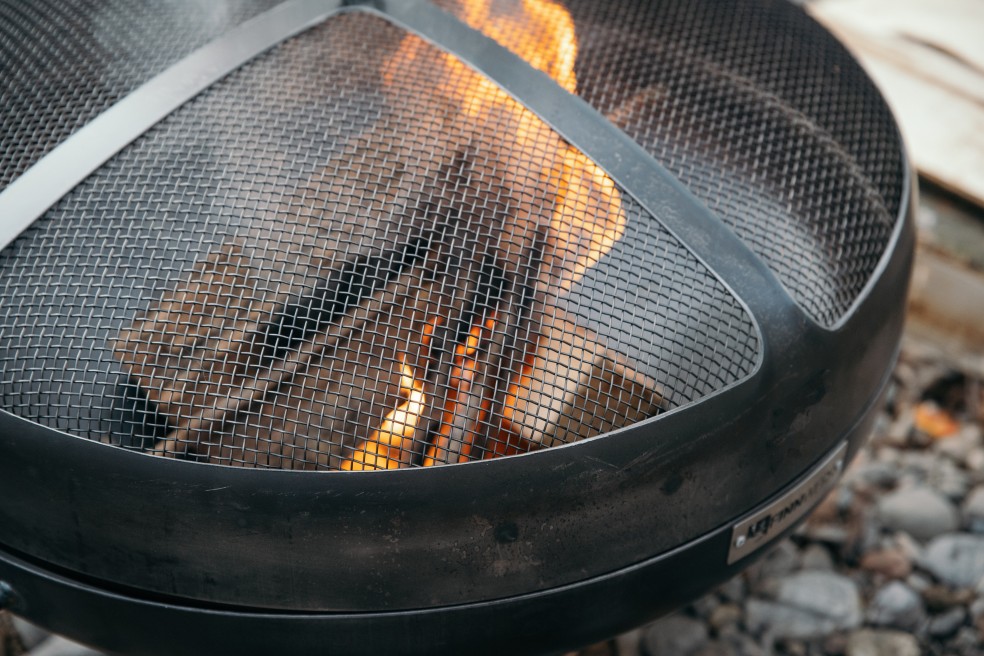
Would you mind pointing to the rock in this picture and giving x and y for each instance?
(916, 465)
(909, 547)
(783, 559)
(973, 511)
(676, 635)
(881, 643)
(733, 590)
(746, 646)
(809, 604)
(967, 642)
(975, 460)
(946, 623)
(835, 644)
(891, 563)
(901, 429)
(947, 479)
(705, 605)
(792, 648)
(878, 474)
(956, 559)
(920, 512)
(939, 598)
(897, 606)
(918, 582)
(816, 556)
(716, 648)
(959, 446)
(629, 644)
(58, 646)
(828, 533)
(30, 635)
(725, 616)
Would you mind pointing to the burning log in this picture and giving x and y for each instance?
(415, 333)
(572, 387)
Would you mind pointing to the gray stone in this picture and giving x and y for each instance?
(733, 590)
(676, 635)
(878, 474)
(912, 549)
(716, 648)
(725, 616)
(816, 556)
(897, 606)
(890, 563)
(977, 608)
(921, 512)
(782, 560)
(30, 635)
(956, 559)
(917, 464)
(745, 645)
(946, 624)
(946, 478)
(809, 604)
(973, 510)
(899, 430)
(975, 460)
(705, 605)
(630, 644)
(828, 533)
(967, 642)
(918, 582)
(59, 646)
(881, 643)
(959, 446)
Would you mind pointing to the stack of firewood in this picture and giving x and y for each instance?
(406, 314)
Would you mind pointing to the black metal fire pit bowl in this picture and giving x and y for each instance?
(408, 327)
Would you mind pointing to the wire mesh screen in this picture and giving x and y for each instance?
(356, 253)
(748, 105)
(65, 62)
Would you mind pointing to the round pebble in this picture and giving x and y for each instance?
(890, 563)
(956, 559)
(882, 643)
(897, 606)
(921, 512)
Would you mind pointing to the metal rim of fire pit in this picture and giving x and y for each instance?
(680, 484)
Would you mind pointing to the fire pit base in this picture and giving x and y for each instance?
(562, 618)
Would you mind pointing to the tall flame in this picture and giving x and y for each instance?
(586, 221)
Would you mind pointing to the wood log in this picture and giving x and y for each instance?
(574, 387)
(291, 346)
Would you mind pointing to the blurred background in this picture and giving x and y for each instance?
(892, 562)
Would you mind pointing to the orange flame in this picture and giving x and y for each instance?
(586, 221)
(389, 445)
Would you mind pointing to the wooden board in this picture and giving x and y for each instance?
(928, 60)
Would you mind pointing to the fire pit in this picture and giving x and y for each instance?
(413, 327)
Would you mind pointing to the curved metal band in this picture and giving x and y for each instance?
(33, 193)
(637, 172)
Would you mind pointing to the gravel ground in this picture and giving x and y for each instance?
(892, 561)
(890, 564)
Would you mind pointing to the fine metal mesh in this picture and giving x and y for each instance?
(356, 253)
(63, 63)
(749, 105)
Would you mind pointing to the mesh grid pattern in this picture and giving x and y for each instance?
(751, 108)
(94, 53)
(378, 260)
